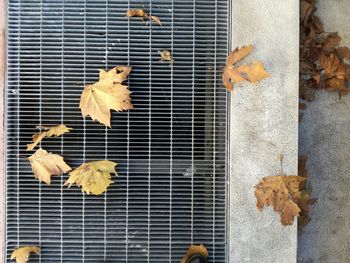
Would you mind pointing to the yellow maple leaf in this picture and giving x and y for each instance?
(282, 193)
(45, 164)
(107, 94)
(93, 177)
(195, 250)
(22, 254)
(233, 74)
(49, 131)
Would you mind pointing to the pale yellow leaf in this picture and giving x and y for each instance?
(253, 73)
(45, 164)
(22, 254)
(107, 94)
(49, 131)
(93, 177)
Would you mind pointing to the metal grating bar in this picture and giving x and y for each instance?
(171, 150)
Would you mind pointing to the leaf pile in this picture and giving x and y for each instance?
(106, 94)
(143, 15)
(322, 61)
(193, 250)
(45, 164)
(233, 74)
(93, 177)
(22, 254)
(49, 131)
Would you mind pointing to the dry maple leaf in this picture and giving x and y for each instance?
(22, 254)
(143, 15)
(93, 177)
(280, 192)
(193, 250)
(233, 74)
(166, 55)
(49, 131)
(107, 94)
(45, 164)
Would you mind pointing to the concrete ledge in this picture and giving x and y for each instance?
(264, 124)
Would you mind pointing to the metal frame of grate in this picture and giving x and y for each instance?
(171, 150)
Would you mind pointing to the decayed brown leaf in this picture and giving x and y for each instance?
(233, 74)
(45, 164)
(107, 94)
(22, 254)
(322, 61)
(195, 249)
(166, 55)
(93, 177)
(143, 15)
(49, 131)
(280, 192)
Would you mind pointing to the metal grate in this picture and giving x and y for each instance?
(171, 149)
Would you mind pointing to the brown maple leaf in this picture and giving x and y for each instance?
(107, 94)
(22, 254)
(193, 250)
(143, 15)
(233, 74)
(45, 164)
(49, 131)
(280, 192)
(93, 177)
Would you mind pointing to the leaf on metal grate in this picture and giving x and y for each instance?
(195, 250)
(233, 74)
(93, 177)
(45, 164)
(282, 193)
(166, 55)
(22, 254)
(49, 131)
(143, 15)
(107, 94)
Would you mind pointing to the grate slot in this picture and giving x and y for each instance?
(171, 150)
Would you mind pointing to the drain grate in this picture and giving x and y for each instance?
(171, 150)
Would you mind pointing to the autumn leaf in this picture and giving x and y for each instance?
(252, 73)
(93, 177)
(195, 250)
(166, 55)
(280, 192)
(22, 254)
(49, 131)
(142, 14)
(107, 94)
(45, 164)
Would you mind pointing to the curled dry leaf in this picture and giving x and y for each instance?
(22, 254)
(49, 131)
(281, 192)
(252, 73)
(45, 164)
(93, 177)
(166, 55)
(193, 250)
(142, 14)
(107, 94)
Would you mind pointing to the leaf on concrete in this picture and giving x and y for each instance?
(106, 94)
(166, 55)
(93, 177)
(233, 74)
(22, 254)
(195, 250)
(49, 131)
(343, 53)
(280, 192)
(45, 164)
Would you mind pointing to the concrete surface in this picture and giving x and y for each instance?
(264, 124)
(325, 138)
